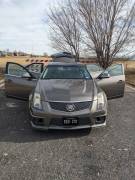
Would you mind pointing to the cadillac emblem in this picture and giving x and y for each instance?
(70, 107)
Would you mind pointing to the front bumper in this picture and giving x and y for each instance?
(49, 118)
(66, 128)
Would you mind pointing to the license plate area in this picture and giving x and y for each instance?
(70, 121)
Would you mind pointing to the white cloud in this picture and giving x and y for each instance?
(22, 27)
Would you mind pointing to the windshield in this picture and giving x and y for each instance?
(66, 72)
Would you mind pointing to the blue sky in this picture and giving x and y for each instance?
(22, 27)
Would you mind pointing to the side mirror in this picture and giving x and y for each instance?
(104, 75)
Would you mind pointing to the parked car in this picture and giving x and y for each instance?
(64, 95)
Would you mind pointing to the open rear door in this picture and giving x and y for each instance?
(112, 81)
(19, 82)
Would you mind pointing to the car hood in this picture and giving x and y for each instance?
(66, 90)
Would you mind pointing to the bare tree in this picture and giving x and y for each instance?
(65, 34)
(108, 25)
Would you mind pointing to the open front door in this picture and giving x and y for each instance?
(19, 82)
(112, 81)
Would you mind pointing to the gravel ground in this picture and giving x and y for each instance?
(104, 153)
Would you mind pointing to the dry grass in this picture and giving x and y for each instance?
(4, 60)
(1, 77)
(130, 79)
(130, 72)
(21, 60)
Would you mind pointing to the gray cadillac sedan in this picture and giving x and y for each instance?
(65, 95)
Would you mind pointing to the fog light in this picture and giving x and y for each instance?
(100, 120)
(38, 121)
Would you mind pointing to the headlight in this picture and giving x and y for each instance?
(101, 101)
(37, 101)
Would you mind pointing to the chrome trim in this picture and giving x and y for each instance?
(34, 115)
(66, 102)
(99, 125)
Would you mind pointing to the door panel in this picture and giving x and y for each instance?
(113, 86)
(19, 82)
(36, 69)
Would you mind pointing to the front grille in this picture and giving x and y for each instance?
(61, 106)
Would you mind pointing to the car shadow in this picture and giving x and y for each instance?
(29, 135)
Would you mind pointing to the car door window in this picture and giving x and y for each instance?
(115, 70)
(35, 68)
(112, 81)
(17, 70)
